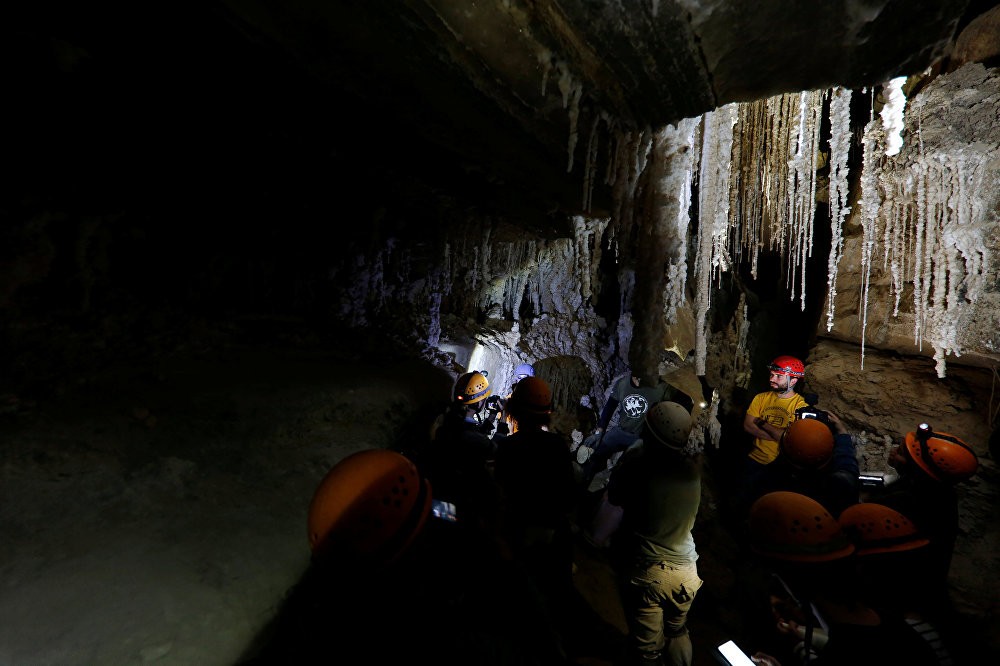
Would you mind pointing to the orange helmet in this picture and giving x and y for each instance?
(370, 505)
(787, 365)
(792, 527)
(941, 456)
(472, 387)
(875, 528)
(670, 424)
(807, 443)
(532, 395)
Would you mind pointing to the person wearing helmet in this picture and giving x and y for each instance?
(495, 417)
(628, 403)
(523, 370)
(931, 466)
(388, 583)
(535, 472)
(891, 558)
(657, 485)
(475, 402)
(459, 458)
(818, 459)
(769, 413)
(822, 613)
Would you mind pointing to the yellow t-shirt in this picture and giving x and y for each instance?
(779, 412)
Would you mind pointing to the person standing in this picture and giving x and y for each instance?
(630, 400)
(495, 405)
(393, 581)
(535, 473)
(657, 484)
(459, 458)
(769, 413)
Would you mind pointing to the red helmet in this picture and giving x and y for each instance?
(876, 528)
(788, 365)
(941, 456)
(369, 506)
(792, 527)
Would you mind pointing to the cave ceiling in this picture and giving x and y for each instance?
(492, 98)
(509, 90)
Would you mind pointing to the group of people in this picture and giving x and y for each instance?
(481, 520)
(862, 571)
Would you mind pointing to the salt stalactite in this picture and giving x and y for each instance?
(682, 142)
(632, 154)
(741, 359)
(892, 114)
(868, 208)
(590, 166)
(545, 62)
(802, 190)
(571, 93)
(587, 233)
(950, 236)
(840, 145)
(749, 169)
(932, 226)
(713, 226)
(782, 110)
(777, 140)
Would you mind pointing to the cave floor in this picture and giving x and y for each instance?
(155, 512)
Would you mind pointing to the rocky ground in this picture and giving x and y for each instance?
(155, 512)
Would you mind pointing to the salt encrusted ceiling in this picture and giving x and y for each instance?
(512, 89)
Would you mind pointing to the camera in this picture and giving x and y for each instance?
(810, 411)
(495, 403)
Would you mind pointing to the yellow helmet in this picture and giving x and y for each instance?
(472, 387)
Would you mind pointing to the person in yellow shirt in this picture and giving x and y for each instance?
(769, 413)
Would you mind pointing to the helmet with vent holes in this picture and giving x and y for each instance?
(670, 424)
(472, 387)
(795, 528)
(941, 456)
(787, 365)
(370, 506)
(876, 528)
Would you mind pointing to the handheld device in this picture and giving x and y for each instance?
(444, 510)
(729, 654)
